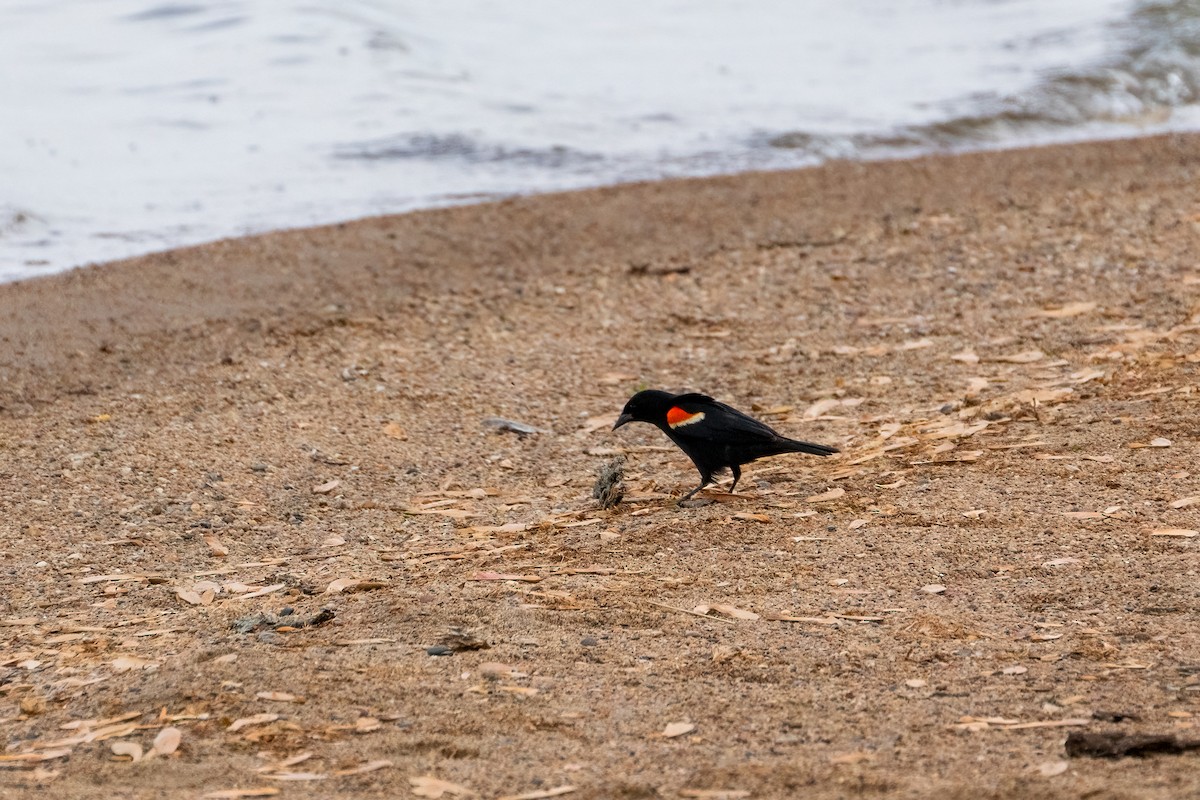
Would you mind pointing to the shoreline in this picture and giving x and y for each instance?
(50, 315)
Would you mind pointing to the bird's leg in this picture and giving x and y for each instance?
(737, 476)
(688, 496)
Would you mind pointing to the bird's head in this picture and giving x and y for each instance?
(647, 406)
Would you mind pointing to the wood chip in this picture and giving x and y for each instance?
(824, 497)
(327, 487)
(217, 547)
(234, 794)
(714, 794)
(732, 611)
(540, 794)
(1048, 769)
(188, 596)
(362, 769)
(812, 620)
(1068, 310)
(675, 729)
(429, 786)
(131, 750)
(128, 663)
(265, 591)
(748, 517)
(353, 585)
(916, 683)
(933, 588)
(32, 758)
(1060, 562)
(279, 697)
(1025, 357)
(1184, 502)
(503, 576)
(167, 741)
(246, 722)
(1182, 533)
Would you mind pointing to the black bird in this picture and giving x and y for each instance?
(713, 435)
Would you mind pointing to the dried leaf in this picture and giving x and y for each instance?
(1184, 502)
(296, 776)
(832, 494)
(130, 750)
(245, 722)
(429, 786)
(855, 524)
(395, 431)
(327, 487)
(675, 729)
(167, 741)
(933, 588)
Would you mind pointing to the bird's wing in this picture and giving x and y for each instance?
(700, 416)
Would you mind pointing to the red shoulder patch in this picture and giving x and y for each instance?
(676, 416)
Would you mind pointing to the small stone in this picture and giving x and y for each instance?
(439, 650)
(588, 641)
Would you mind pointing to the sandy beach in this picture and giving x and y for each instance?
(261, 540)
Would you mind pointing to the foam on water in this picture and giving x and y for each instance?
(131, 126)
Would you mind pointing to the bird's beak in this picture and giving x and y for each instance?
(621, 420)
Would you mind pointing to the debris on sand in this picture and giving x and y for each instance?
(1115, 744)
(284, 622)
(610, 489)
(519, 428)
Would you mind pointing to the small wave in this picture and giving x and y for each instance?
(456, 146)
(1154, 73)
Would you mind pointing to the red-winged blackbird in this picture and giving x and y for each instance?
(713, 435)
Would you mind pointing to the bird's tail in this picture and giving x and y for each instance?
(796, 446)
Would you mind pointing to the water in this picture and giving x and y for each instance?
(129, 126)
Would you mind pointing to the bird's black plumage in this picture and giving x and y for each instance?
(713, 435)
